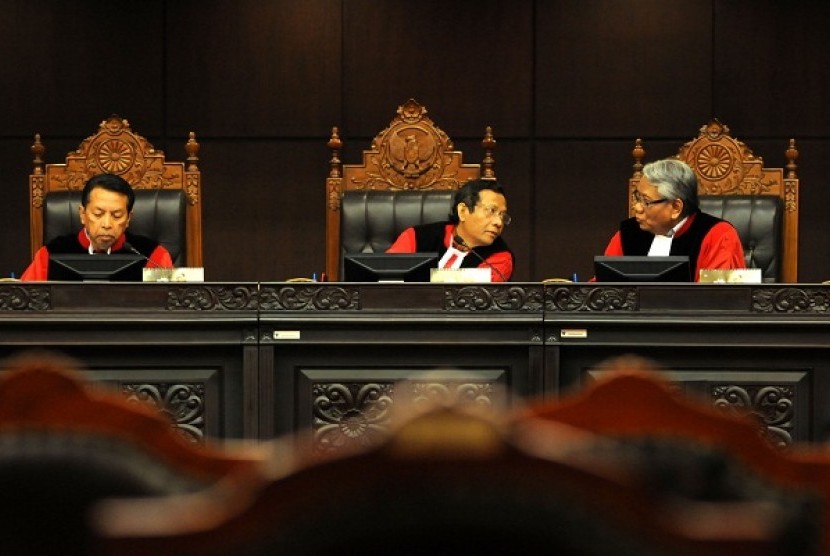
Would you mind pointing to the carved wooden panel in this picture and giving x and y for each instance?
(345, 408)
(188, 397)
(779, 400)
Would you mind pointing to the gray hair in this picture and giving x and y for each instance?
(674, 179)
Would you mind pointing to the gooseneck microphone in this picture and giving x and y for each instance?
(460, 241)
(129, 247)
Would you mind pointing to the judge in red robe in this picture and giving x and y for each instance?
(472, 236)
(106, 207)
(668, 221)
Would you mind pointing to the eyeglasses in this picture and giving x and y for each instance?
(491, 211)
(636, 198)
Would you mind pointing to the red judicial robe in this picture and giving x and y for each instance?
(436, 237)
(38, 270)
(709, 242)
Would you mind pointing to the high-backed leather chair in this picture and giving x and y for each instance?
(406, 178)
(168, 194)
(733, 184)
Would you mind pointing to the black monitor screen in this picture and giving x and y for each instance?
(388, 267)
(642, 269)
(126, 267)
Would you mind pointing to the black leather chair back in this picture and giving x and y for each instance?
(758, 221)
(372, 220)
(158, 214)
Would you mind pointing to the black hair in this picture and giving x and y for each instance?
(110, 182)
(469, 195)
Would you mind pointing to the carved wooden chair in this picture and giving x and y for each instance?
(633, 405)
(733, 184)
(65, 444)
(168, 194)
(447, 482)
(406, 178)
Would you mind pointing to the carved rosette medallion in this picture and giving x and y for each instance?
(184, 404)
(493, 298)
(345, 415)
(791, 300)
(210, 298)
(772, 405)
(574, 299)
(308, 298)
(17, 298)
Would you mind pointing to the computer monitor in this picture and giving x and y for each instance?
(642, 269)
(74, 267)
(388, 267)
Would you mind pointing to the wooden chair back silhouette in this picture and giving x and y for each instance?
(65, 445)
(406, 178)
(733, 184)
(168, 205)
(446, 482)
(633, 403)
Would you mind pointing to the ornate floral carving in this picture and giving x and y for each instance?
(346, 415)
(359, 414)
(212, 298)
(183, 403)
(773, 405)
(493, 298)
(38, 186)
(18, 298)
(592, 298)
(449, 393)
(791, 300)
(308, 298)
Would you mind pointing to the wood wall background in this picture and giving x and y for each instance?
(565, 85)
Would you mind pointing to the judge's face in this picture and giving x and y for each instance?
(105, 217)
(483, 224)
(655, 213)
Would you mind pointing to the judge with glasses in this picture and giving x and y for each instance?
(668, 221)
(471, 237)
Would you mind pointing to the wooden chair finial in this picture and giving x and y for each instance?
(38, 149)
(792, 156)
(336, 145)
(192, 150)
(639, 153)
(489, 145)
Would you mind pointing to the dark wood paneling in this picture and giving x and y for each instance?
(580, 200)
(68, 65)
(252, 68)
(770, 67)
(606, 68)
(468, 61)
(263, 212)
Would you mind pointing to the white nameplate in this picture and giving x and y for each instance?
(181, 274)
(732, 276)
(460, 275)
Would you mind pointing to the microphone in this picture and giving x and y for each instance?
(129, 247)
(460, 241)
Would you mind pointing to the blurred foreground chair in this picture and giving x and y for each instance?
(446, 483)
(733, 184)
(168, 204)
(677, 443)
(406, 178)
(64, 446)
